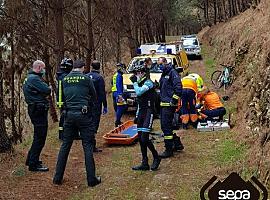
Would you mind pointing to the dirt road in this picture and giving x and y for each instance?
(180, 177)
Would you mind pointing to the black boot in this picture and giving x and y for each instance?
(194, 124)
(95, 182)
(144, 166)
(185, 126)
(155, 163)
(166, 154)
(177, 144)
(117, 124)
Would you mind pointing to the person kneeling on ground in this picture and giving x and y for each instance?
(145, 91)
(212, 105)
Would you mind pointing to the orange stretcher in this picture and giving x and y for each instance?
(125, 134)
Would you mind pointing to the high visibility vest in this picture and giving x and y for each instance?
(189, 83)
(114, 88)
(198, 79)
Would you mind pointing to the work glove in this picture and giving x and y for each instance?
(156, 84)
(120, 99)
(135, 120)
(105, 111)
(133, 79)
(198, 106)
(174, 102)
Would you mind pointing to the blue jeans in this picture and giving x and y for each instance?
(219, 112)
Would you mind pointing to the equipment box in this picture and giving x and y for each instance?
(213, 126)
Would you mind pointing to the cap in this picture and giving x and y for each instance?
(78, 64)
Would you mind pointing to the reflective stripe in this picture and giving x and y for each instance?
(193, 117)
(175, 96)
(25, 80)
(61, 128)
(60, 98)
(185, 118)
(121, 103)
(165, 104)
(147, 130)
(168, 137)
(114, 88)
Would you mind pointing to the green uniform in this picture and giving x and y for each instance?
(80, 102)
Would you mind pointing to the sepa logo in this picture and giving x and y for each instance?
(234, 188)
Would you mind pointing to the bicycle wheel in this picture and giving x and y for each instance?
(216, 79)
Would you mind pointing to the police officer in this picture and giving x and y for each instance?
(119, 101)
(79, 94)
(65, 67)
(35, 93)
(146, 93)
(170, 93)
(101, 95)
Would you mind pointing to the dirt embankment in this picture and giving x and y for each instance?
(244, 41)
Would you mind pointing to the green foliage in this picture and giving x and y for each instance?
(19, 171)
(230, 151)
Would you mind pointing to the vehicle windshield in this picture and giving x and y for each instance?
(190, 42)
(154, 69)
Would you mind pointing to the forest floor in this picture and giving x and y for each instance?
(180, 177)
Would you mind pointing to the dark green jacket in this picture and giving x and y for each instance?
(79, 91)
(35, 89)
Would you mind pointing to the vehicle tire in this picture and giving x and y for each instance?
(216, 79)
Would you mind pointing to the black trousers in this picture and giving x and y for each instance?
(61, 124)
(38, 114)
(166, 121)
(76, 122)
(144, 126)
(96, 120)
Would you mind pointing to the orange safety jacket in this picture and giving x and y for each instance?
(212, 101)
(189, 83)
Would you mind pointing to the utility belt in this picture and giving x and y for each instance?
(84, 110)
(146, 105)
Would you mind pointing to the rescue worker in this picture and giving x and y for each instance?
(170, 93)
(212, 105)
(148, 63)
(79, 94)
(99, 84)
(146, 93)
(189, 94)
(35, 92)
(198, 79)
(119, 101)
(65, 67)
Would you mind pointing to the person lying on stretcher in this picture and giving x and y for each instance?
(210, 105)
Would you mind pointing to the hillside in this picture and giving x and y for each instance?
(244, 42)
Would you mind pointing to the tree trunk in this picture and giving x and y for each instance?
(15, 135)
(59, 28)
(5, 143)
(90, 37)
